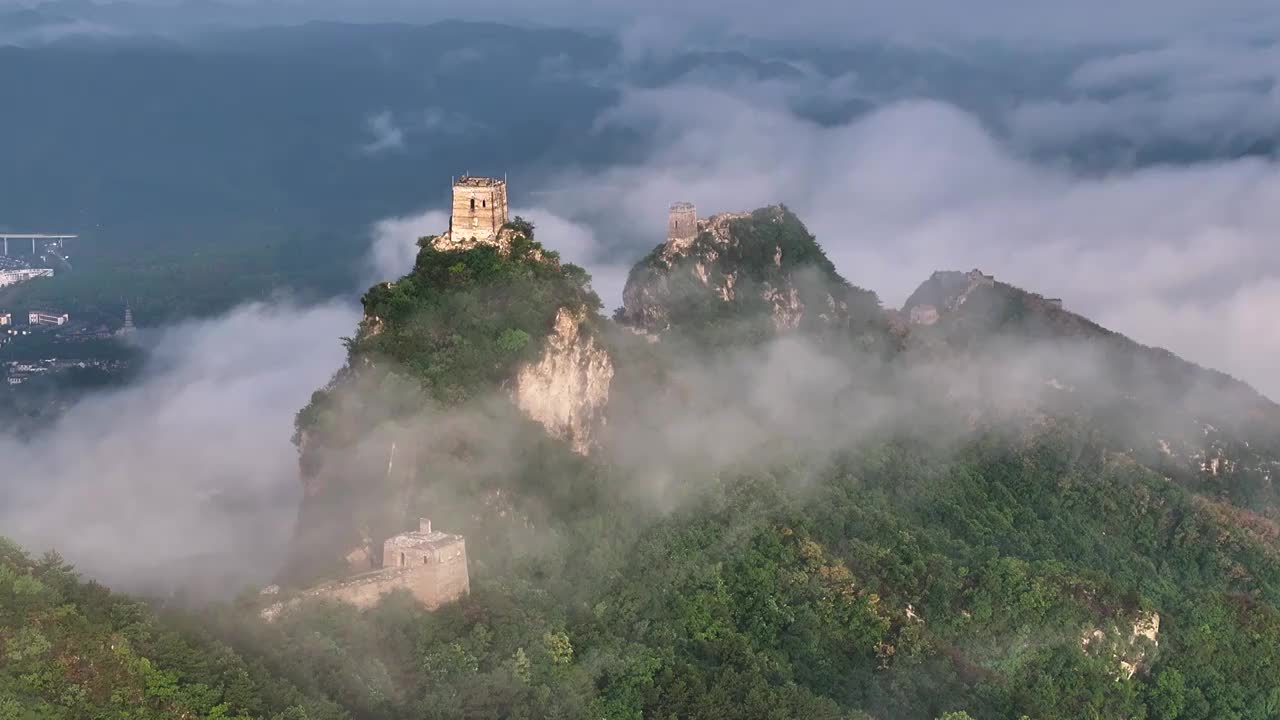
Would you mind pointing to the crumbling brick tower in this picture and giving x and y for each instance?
(432, 565)
(479, 208)
(682, 224)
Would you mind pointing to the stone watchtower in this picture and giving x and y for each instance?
(430, 564)
(479, 209)
(682, 224)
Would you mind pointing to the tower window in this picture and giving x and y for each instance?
(401, 559)
(484, 203)
(473, 203)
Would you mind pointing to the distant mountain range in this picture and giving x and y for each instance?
(266, 152)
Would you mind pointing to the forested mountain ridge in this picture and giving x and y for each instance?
(824, 512)
(462, 324)
(1215, 434)
(1210, 431)
(843, 515)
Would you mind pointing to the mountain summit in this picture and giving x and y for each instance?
(756, 493)
(760, 266)
(759, 488)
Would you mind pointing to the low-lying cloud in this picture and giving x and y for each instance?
(384, 134)
(188, 472)
(1159, 253)
(186, 478)
(1219, 94)
(395, 244)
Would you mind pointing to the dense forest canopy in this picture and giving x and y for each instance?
(777, 523)
(787, 524)
(73, 650)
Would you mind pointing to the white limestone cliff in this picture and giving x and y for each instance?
(567, 389)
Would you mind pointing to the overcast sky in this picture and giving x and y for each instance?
(188, 470)
(1180, 255)
(1177, 254)
(666, 20)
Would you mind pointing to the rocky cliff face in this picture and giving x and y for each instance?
(567, 389)
(1130, 649)
(681, 268)
(473, 325)
(945, 291)
(742, 266)
(507, 236)
(645, 299)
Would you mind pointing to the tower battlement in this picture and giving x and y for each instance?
(479, 209)
(682, 224)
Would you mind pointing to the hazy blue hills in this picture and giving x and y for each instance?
(232, 161)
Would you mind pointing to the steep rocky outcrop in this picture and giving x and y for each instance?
(944, 291)
(497, 331)
(507, 237)
(567, 389)
(1131, 645)
(743, 267)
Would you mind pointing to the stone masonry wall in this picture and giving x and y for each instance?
(682, 224)
(431, 584)
(479, 211)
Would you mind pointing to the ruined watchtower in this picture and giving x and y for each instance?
(434, 564)
(431, 565)
(479, 208)
(682, 224)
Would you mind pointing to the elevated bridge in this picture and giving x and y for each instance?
(46, 240)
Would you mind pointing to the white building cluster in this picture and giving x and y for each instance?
(36, 317)
(13, 277)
